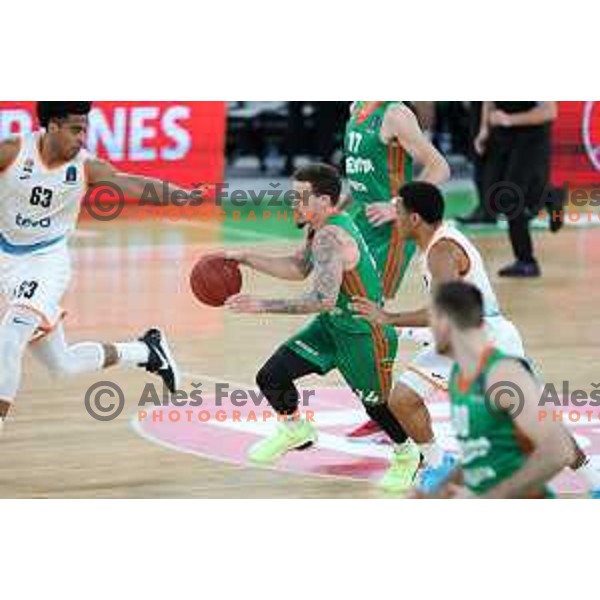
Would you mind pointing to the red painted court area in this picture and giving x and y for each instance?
(223, 432)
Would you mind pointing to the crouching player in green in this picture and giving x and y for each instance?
(342, 267)
(506, 451)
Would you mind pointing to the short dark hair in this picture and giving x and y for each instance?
(462, 302)
(424, 199)
(48, 111)
(324, 179)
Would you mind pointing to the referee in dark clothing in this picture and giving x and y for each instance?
(514, 140)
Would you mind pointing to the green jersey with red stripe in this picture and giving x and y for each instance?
(376, 170)
(492, 446)
(363, 281)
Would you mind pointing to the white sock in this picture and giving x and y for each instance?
(591, 476)
(291, 421)
(432, 454)
(402, 448)
(133, 353)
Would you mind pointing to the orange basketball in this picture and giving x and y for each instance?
(214, 279)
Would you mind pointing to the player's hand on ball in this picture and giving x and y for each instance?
(367, 309)
(243, 303)
(380, 213)
(237, 255)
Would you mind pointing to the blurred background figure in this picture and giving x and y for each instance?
(481, 214)
(514, 141)
(279, 134)
(323, 141)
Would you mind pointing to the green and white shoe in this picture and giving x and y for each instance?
(296, 436)
(404, 464)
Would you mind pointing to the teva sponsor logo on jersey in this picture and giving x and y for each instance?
(359, 166)
(590, 132)
(336, 412)
(28, 223)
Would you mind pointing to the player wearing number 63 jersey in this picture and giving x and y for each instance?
(43, 179)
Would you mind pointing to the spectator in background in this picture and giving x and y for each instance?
(482, 213)
(451, 132)
(296, 134)
(514, 139)
(329, 121)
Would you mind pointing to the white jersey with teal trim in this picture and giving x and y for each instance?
(428, 372)
(39, 206)
(475, 274)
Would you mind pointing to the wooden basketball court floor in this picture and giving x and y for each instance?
(129, 276)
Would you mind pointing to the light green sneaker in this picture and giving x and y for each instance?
(298, 436)
(400, 476)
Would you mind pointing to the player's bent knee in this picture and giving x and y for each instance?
(16, 329)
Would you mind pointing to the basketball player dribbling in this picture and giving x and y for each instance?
(43, 178)
(382, 142)
(342, 266)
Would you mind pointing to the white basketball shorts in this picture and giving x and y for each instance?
(36, 281)
(428, 372)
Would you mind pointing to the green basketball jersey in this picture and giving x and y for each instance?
(363, 281)
(375, 170)
(492, 446)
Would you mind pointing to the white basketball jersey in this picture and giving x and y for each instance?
(39, 206)
(476, 275)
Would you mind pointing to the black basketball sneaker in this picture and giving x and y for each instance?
(161, 361)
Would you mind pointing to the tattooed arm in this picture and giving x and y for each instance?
(328, 268)
(294, 268)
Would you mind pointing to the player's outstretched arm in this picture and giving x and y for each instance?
(9, 149)
(369, 310)
(134, 186)
(401, 124)
(553, 449)
(446, 261)
(328, 270)
(291, 268)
